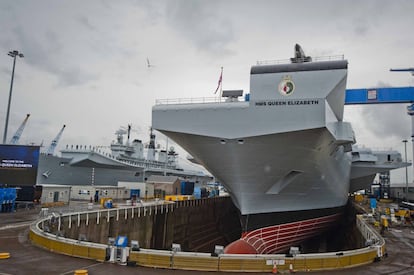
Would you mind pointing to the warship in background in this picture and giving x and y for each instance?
(284, 154)
(126, 161)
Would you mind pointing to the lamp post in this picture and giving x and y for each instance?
(13, 54)
(406, 171)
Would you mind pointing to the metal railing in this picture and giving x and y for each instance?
(189, 100)
(288, 61)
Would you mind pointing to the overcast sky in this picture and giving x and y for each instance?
(85, 62)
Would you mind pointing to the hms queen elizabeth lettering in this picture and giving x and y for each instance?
(286, 102)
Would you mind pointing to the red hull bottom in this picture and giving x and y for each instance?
(278, 238)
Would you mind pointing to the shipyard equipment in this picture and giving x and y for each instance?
(54, 143)
(16, 137)
(383, 96)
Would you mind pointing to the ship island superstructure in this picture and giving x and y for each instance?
(283, 153)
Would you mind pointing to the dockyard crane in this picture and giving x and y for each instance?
(54, 143)
(16, 137)
(411, 70)
(386, 95)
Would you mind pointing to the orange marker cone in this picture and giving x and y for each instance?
(274, 269)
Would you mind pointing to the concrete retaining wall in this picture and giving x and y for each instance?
(191, 260)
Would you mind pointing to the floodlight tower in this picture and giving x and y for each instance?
(13, 54)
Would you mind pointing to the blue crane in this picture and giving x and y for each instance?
(383, 96)
(54, 143)
(16, 137)
(379, 95)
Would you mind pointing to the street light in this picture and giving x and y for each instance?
(406, 171)
(13, 54)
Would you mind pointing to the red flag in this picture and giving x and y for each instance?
(219, 81)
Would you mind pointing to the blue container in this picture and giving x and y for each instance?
(108, 204)
(187, 188)
(373, 203)
(7, 199)
(121, 241)
(135, 193)
(197, 192)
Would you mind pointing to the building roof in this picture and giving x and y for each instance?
(162, 179)
(54, 185)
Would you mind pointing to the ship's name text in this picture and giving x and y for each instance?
(286, 102)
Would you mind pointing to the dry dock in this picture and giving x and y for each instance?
(28, 259)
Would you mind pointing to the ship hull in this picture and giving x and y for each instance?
(91, 168)
(277, 172)
(288, 188)
(287, 229)
(60, 170)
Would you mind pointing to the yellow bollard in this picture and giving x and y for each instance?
(81, 272)
(4, 255)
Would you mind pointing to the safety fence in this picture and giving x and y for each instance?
(253, 263)
(222, 262)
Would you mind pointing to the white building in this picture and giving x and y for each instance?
(138, 190)
(55, 193)
(95, 193)
(399, 190)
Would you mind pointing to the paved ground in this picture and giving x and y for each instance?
(28, 259)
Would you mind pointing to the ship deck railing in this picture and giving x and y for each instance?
(197, 100)
(314, 59)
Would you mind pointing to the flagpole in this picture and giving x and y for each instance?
(221, 84)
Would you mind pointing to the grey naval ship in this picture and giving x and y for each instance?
(283, 152)
(126, 161)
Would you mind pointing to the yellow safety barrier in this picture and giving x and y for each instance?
(97, 253)
(242, 264)
(151, 259)
(178, 197)
(4, 255)
(60, 246)
(81, 272)
(224, 262)
(206, 263)
(53, 204)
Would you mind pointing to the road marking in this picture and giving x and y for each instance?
(16, 225)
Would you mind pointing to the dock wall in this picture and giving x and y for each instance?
(165, 258)
(197, 225)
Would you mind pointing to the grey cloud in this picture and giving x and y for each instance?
(201, 23)
(381, 118)
(84, 21)
(42, 50)
(385, 120)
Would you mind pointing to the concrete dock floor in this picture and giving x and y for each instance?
(29, 259)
